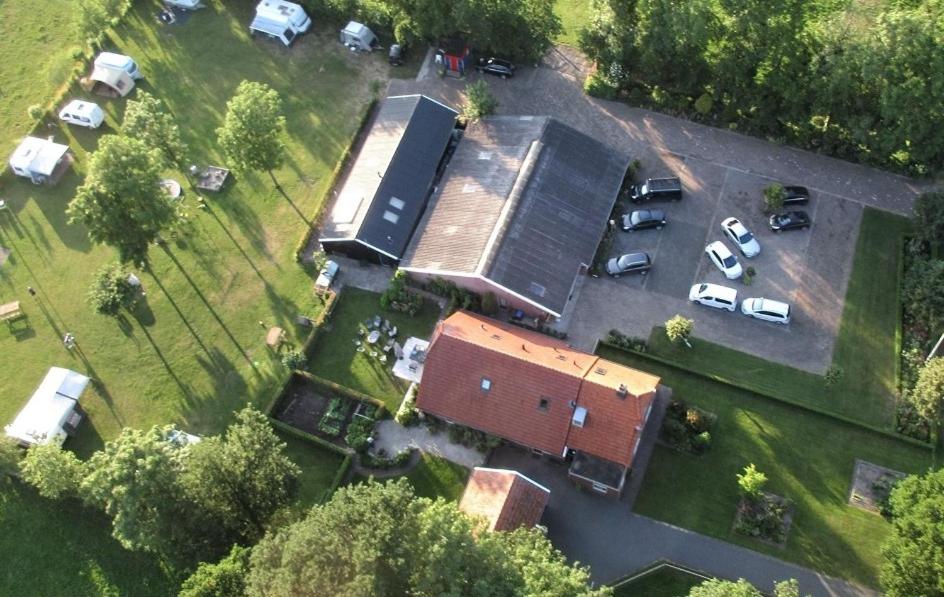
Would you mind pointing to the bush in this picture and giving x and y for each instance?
(358, 433)
(696, 421)
(380, 462)
(398, 297)
(111, 291)
(479, 101)
(833, 375)
(293, 359)
(407, 415)
(675, 432)
(596, 85)
(751, 482)
(773, 197)
(704, 104)
(749, 274)
(678, 329)
(35, 112)
(701, 442)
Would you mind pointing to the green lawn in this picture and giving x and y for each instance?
(437, 477)
(318, 465)
(336, 358)
(661, 581)
(574, 16)
(63, 549)
(809, 458)
(866, 347)
(194, 352)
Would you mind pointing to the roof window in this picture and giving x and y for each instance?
(486, 384)
(391, 217)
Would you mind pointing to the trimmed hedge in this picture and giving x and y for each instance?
(746, 388)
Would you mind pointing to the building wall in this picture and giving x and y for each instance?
(355, 250)
(480, 287)
(587, 484)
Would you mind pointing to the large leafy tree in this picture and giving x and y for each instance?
(243, 477)
(741, 588)
(226, 578)
(10, 457)
(252, 131)
(54, 472)
(914, 553)
(147, 119)
(673, 36)
(381, 540)
(121, 201)
(928, 393)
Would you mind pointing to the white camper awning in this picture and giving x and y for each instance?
(38, 156)
(117, 79)
(41, 420)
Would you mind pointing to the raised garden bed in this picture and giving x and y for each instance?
(767, 518)
(871, 486)
(687, 428)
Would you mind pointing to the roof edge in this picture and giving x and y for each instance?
(514, 472)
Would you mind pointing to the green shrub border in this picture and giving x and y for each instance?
(787, 401)
(334, 177)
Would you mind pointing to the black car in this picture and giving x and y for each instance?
(496, 66)
(631, 263)
(642, 219)
(791, 220)
(795, 196)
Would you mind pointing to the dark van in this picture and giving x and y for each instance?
(656, 188)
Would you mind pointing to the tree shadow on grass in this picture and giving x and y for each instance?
(180, 313)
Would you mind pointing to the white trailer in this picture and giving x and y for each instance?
(280, 20)
(50, 415)
(358, 36)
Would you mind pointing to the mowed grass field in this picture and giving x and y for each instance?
(574, 16)
(194, 351)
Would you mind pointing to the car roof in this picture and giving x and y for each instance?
(767, 304)
(718, 291)
(720, 247)
(649, 214)
(736, 225)
(640, 256)
(796, 189)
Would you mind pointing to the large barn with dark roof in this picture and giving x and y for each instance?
(519, 212)
(388, 184)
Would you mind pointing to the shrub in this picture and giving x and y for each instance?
(35, 112)
(398, 297)
(678, 329)
(677, 409)
(489, 303)
(380, 462)
(696, 420)
(407, 414)
(293, 359)
(701, 442)
(751, 482)
(675, 432)
(628, 342)
(773, 197)
(704, 104)
(596, 85)
(749, 274)
(479, 101)
(833, 375)
(358, 433)
(111, 291)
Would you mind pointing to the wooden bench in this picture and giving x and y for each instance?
(10, 311)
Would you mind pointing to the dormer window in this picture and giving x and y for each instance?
(486, 384)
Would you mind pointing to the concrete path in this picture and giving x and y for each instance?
(605, 535)
(393, 437)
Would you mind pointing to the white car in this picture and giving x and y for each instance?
(741, 237)
(328, 273)
(713, 295)
(82, 113)
(766, 309)
(724, 260)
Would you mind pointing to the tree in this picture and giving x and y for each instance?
(10, 456)
(381, 540)
(135, 479)
(751, 482)
(111, 291)
(251, 135)
(914, 552)
(94, 17)
(241, 479)
(479, 101)
(678, 329)
(121, 201)
(741, 588)
(928, 393)
(921, 296)
(147, 120)
(774, 196)
(929, 219)
(225, 578)
(54, 472)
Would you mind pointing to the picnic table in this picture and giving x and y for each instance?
(10, 311)
(211, 178)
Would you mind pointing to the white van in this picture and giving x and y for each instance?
(766, 309)
(82, 113)
(713, 295)
(111, 60)
(280, 20)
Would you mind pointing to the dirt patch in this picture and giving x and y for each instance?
(304, 407)
(871, 485)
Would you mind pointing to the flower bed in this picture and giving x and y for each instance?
(687, 428)
(766, 517)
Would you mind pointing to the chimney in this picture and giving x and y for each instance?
(524, 347)
(622, 390)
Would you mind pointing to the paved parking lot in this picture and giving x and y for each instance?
(723, 174)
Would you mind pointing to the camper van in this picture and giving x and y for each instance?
(114, 61)
(359, 37)
(82, 113)
(280, 20)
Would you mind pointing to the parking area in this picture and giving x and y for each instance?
(723, 174)
(807, 269)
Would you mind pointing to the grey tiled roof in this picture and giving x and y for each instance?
(524, 203)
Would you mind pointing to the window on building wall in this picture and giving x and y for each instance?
(486, 384)
(543, 404)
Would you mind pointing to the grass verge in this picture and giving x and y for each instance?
(808, 458)
(662, 580)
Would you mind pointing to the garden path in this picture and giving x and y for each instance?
(393, 438)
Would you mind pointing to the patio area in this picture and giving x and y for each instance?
(410, 360)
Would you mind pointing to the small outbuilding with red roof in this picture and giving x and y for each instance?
(506, 499)
(538, 392)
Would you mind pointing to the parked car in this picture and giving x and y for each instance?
(796, 195)
(741, 237)
(327, 275)
(496, 66)
(656, 188)
(713, 295)
(631, 263)
(766, 309)
(642, 219)
(791, 220)
(724, 260)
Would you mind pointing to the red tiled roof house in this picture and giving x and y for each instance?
(536, 391)
(505, 499)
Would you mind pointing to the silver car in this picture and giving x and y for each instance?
(741, 237)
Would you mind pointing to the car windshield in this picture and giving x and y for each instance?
(627, 261)
(746, 237)
(703, 288)
(729, 261)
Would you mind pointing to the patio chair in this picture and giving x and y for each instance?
(376, 321)
(360, 349)
(393, 332)
(383, 358)
(357, 342)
